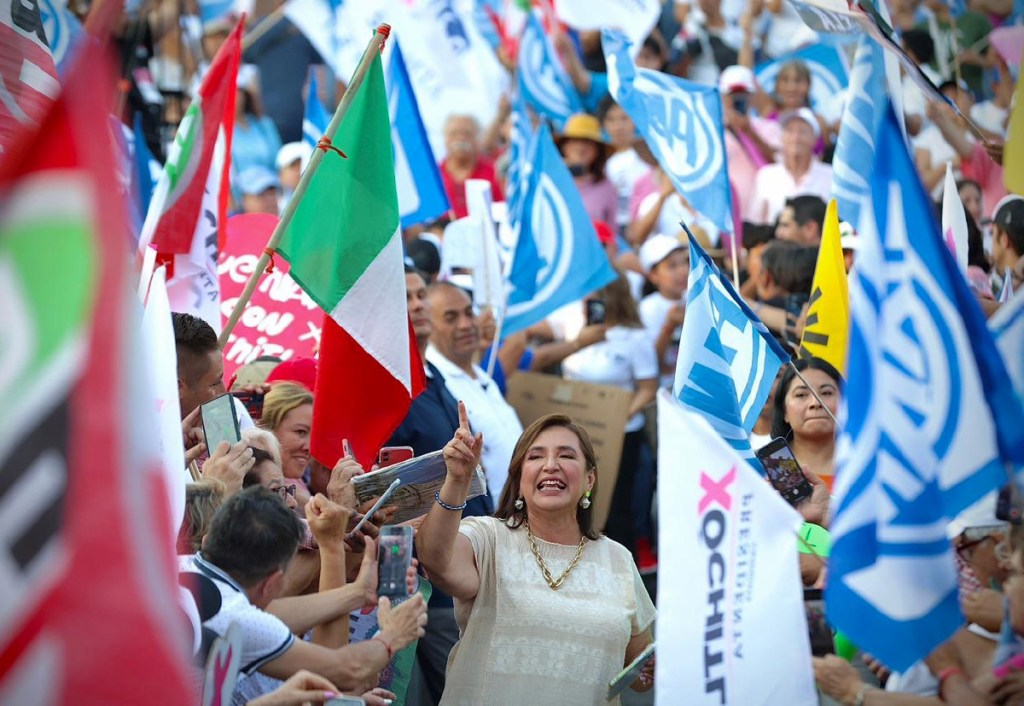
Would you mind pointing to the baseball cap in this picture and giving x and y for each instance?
(657, 248)
(736, 79)
(292, 151)
(298, 370)
(980, 514)
(805, 114)
(848, 238)
(255, 180)
(1009, 214)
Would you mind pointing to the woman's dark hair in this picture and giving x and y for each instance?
(790, 264)
(620, 306)
(802, 70)
(510, 493)
(780, 427)
(975, 244)
(250, 105)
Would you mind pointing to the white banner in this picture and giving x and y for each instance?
(731, 625)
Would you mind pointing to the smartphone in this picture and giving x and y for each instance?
(784, 471)
(820, 632)
(394, 557)
(253, 402)
(595, 312)
(629, 675)
(390, 455)
(740, 104)
(345, 701)
(220, 422)
(1008, 505)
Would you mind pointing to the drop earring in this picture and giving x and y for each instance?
(585, 500)
(518, 504)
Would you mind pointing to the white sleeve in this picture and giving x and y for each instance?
(645, 358)
(244, 419)
(649, 317)
(264, 636)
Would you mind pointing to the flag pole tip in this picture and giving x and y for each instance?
(385, 29)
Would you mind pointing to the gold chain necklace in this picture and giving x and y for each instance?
(555, 584)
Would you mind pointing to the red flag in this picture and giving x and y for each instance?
(89, 582)
(357, 399)
(177, 202)
(28, 78)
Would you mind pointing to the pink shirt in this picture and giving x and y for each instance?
(774, 184)
(601, 200)
(987, 173)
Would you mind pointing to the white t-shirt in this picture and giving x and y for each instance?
(264, 636)
(990, 116)
(784, 32)
(623, 169)
(774, 184)
(623, 357)
(931, 140)
(653, 312)
(488, 413)
(672, 212)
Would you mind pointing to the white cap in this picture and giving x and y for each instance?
(248, 77)
(657, 248)
(736, 79)
(805, 114)
(980, 514)
(292, 151)
(848, 238)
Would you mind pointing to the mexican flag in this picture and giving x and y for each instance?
(345, 250)
(89, 578)
(176, 208)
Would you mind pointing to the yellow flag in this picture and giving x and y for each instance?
(1013, 152)
(827, 330)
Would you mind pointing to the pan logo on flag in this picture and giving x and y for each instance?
(552, 229)
(685, 131)
(539, 75)
(55, 25)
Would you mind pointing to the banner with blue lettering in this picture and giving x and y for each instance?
(727, 358)
(682, 124)
(731, 625)
(930, 422)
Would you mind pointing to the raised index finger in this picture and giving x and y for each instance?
(463, 417)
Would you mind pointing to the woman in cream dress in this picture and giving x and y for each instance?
(548, 611)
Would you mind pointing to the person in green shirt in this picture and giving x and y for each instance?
(965, 45)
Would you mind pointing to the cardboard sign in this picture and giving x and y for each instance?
(600, 409)
(280, 319)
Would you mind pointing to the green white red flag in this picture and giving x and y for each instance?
(345, 250)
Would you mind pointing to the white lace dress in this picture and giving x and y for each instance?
(522, 642)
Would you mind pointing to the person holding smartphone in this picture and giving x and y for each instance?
(549, 611)
(801, 420)
(626, 358)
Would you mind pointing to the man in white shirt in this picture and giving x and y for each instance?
(797, 172)
(454, 341)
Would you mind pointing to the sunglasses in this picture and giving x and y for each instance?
(284, 490)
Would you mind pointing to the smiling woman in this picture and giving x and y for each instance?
(548, 610)
(288, 413)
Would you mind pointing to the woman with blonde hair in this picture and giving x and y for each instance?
(288, 414)
(202, 499)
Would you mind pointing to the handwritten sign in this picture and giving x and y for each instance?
(280, 319)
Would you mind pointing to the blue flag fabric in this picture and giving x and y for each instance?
(558, 258)
(421, 194)
(143, 169)
(519, 148)
(728, 359)
(682, 124)
(828, 72)
(316, 118)
(928, 425)
(1007, 327)
(542, 81)
(63, 31)
(855, 148)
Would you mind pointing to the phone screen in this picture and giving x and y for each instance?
(595, 312)
(784, 471)
(822, 640)
(220, 422)
(394, 557)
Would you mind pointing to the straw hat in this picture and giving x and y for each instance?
(584, 126)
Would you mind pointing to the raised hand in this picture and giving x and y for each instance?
(401, 626)
(462, 453)
(229, 464)
(339, 489)
(327, 520)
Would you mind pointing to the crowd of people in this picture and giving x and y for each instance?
(530, 600)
